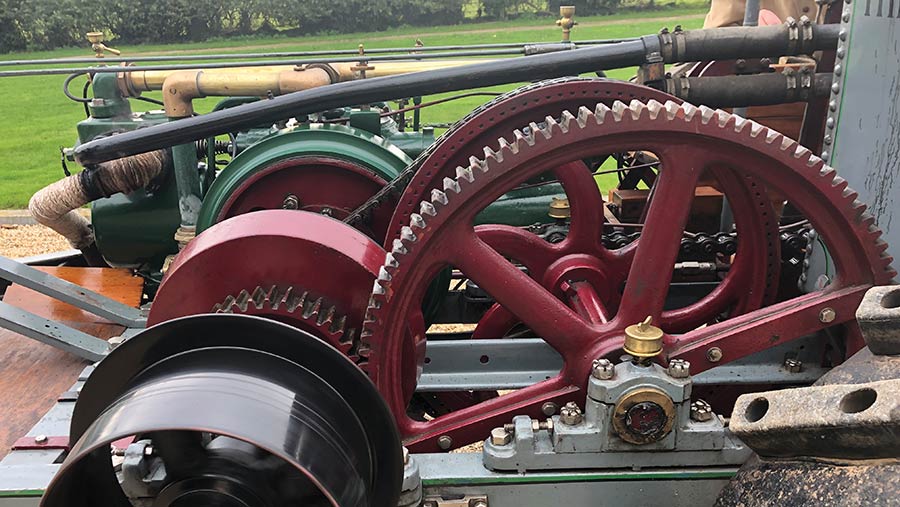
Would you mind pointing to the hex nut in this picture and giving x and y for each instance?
(714, 354)
(793, 365)
(603, 369)
(679, 368)
(701, 411)
(445, 442)
(571, 414)
(500, 436)
(827, 315)
(549, 408)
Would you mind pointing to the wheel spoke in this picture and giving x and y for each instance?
(525, 298)
(472, 423)
(513, 242)
(585, 300)
(586, 204)
(765, 328)
(657, 248)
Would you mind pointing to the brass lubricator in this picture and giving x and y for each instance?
(643, 340)
(100, 49)
(566, 21)
(559, 208)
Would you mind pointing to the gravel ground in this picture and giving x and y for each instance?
(26, 240)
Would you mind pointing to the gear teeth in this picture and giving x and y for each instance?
(672, 109)
(390, 261)
(755, 129)
(535, 129)
(398, 248)
(618, 110)
(814, 161)
(407, 234)
(507, 146)
(584, 114)
(654, 107)
(416, 220)
(438, 198)
(467, 173)
(637, 108)
(772, 136)
(726, 118)
(602, 112)
(690, 111)
(566, 119)
(476, 163)
(426, 208)
(312, 308)
(243, 300)
(706, 114)
(840, 184)
(524, 138)
(450, 185)
(384, 275)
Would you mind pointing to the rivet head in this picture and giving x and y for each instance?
(445, 442)
(827, 140)
(714, 354)
(825, 155)
(842, 34)
(838, 69)
(832, 105)
(841, 52)
(827, 315)
(829, 123)
(835, 88)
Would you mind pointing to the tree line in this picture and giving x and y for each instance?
(50, 24)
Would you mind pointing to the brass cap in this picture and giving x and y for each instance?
(559, 208)
(94, 37)
(643, 339)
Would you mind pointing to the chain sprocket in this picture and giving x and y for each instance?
(688, 139)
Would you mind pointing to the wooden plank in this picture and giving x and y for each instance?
(33, 375)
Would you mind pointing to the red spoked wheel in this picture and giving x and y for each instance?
(533, 103)
(688, 141)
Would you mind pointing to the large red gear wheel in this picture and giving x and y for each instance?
(534, 103)
(301, 268)
(688, 140)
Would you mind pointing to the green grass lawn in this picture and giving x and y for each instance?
(37, 119)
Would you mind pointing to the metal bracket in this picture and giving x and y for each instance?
(52, 333)
(466, 501)
(71, 293)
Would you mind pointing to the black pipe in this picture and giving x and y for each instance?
(719, 43)
(745, 91)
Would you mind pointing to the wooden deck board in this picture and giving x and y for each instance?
(33, 375)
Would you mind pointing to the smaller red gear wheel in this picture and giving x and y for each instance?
(297, 267)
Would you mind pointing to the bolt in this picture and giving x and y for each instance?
(549, 408)
(570, 414)
(701, 411)
(793, 365)
(679, 368)
(479, 503)
(327, 212)
(500, 436)
(827, 315)
(603, 369)
(714, 355)
(40, 439)
(405, 455)
(444, 442)
(291, 202)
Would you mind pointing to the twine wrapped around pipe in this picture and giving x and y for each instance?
(55, 205)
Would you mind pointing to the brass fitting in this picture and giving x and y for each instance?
(559, 208)
(97, 45)
(566, 21)
(643, 340)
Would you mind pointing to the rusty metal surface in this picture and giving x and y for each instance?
(856, 421)
(798, 483)
(879, 319)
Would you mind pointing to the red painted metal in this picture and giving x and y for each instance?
(47, 443)
(318, 182)
(275, 248)
(688, 141)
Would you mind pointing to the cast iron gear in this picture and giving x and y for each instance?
(688, 139)
(299, 308)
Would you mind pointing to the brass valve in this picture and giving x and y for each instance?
(643, 340)
(97, 45)
(559, 208)
(566, 21)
